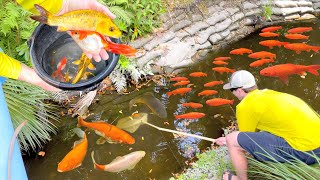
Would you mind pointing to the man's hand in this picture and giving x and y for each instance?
(221, 141)
(71, 5)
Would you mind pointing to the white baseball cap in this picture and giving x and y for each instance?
(240, 79)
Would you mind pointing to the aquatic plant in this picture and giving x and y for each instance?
(266, 11)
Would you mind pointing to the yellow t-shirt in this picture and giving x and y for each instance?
(281, 114)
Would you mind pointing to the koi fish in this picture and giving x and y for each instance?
(262, 54)
(83, 63)
(298, 47)
(269, 34)
(207, 92)
(180, 91)
(75, 157)
(222, 58)
(198, 74)
(61, 65)
(212, 83)
(220, 63)
(272, 43)
(86, 20)
(223, 69)
(260, 62)
(121, 163)
(179, 79)
(107, 131)
(241, 51)
(93, 42)
(191, 115)
(271, 28)
(181, 83)
(218, 102)
(192, 105)
(67, 77)
(282, 71)
(299, 30)
(296, 36)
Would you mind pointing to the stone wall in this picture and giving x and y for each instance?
(185, 37)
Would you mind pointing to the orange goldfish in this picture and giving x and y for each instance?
(241, 51)
(282, 71)
(75, 157)
(191, 115)
(296, 36)
(298, 47)
(299, 30)
(181, 83)
(92, 42)
(192, 105)
(218, 102)
(179, 79)
(219, 62)
(223, 69)
(180, 91)
(86, 20)
(260, 62)
(108, 131)
(61, 65)
(271, 28)
(207, 92)
(212, 83)
(272, 43)
(198, 74)
(222, 58)
(269, 34)
(262, 54)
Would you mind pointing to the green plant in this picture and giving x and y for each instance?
(267, 10)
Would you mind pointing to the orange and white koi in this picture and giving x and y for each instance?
(223, 70)
(218, 102)
(191, 115)
(222, 58)
(198, 74)
(207, 92)
(262, 54)
(241, 51)
(192, 105)
(58, 73)
(271, 28)
(180, 91)
(212, 83)
(181, 83)
(296, 36)
(272, 43)
(269, 34)
(260, 62)
(220, 63)
(299, 30)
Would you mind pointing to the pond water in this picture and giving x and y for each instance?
(166, 154)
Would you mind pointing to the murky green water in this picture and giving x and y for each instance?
(166, 154)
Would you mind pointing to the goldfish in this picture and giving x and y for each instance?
(271, 28)
(191, 115)
(67, 77)
(262, 54)
(121, 163)
(133, 122)
(269, 34)
(93, 42)
(180, 91)
(192, 105)
(296, 36)
(179, 79)
(272, 43)
(86, 20)
(298, 47)
(108, 131)
(241, 51)
(60, 66)
(218, 102)
(260, 62)
(219, 62)
(181, 83)
(212, 83)
(299, 30)
(222, 58)
(223, 69)
(75, 157)
(282, 71)
(198, 74)
(207, 92)
(83, 63)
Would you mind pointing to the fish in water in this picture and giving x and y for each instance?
(75, 157)
(218, 102)
(260, 62)
(220, 62)
(223, 70)
(298, 47)
(296, 36)
(58, 73)
(207, 92)
(86, 20)
(133, 122)
(198, 74)
(93, 42)
(212, 83)
(181, 83)
(83, 63)
(262, 54)
(222, 58)
(107, 131)
(180, 91)
(241, 51)
(192, 105)
(191, 115)
(269, 34)
(271, 29)
(179, 79)
(272, 43)
(282, 71)
(299, 30)
(152, 102)
(121, 163)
